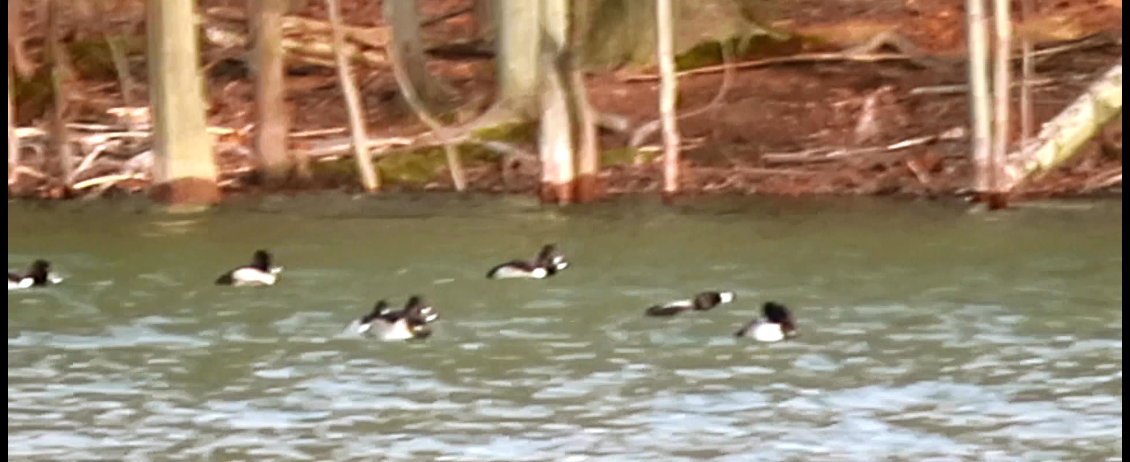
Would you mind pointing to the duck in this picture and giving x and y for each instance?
(776, 325)
(38, 275)
(410, 322)
(548, 262)
(258, 273)
(701, 302)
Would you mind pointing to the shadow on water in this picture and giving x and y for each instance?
(928, 333)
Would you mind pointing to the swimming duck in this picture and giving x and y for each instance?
(775, 326)
(701, 302)
(547, 263)
(38, 274)
(410, 322)
(258, 273)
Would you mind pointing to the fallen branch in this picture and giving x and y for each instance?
(826, 154)
(1061, 137)
(792, 59)
(305, 40)
(855, 55)
(1105, 179)
(108, 179)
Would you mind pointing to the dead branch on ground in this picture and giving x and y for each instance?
(826, 154)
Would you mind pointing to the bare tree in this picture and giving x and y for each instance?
(408, 90)
(60, 77)
(1027, 71)
(404, 18)
(555, 127)
(13, 140)
(980, 109)
(668, 91)
(17, 53)
(1002, 93)
(353, 103)
(589, 187)
(185, 170)
(272, 118)
(518, 47)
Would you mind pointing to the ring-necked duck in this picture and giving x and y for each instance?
(701, 302)
(776, 325)
(258, 273)
(410, 322)
(547, 263)
(38, 275)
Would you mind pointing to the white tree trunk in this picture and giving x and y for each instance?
(272, 121)
(979, 105)
(668, 90)
(176, 98)
(555, 127)
(403, 17)
(13, 140)
(516, 65)
(1002, 94)
(1062, 136)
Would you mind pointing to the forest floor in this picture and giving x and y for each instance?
(790, 129)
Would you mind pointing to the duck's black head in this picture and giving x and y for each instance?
(778, 314)
(550, 259)
(547, 252)
(39, 271)
(417, 310)
(378, 310)
(711, 299)
(261, 260)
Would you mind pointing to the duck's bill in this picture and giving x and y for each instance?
(54, 278)
(276, 270)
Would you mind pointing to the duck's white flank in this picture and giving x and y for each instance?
(768, 332)
(508, 272)
(253, 276)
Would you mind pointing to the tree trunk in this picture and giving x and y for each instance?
(60, 77)
(17, 54)
(485, 25)
(13, 141)
(668, 91)
(516, 65)
(1002, 95)
(979, 104)
(353, 103)
(555, 127)
(185, 171)
(404, 19)
(1027, 72)
(589, 187)
(1062, 136)
(412, 97)
(272, 118)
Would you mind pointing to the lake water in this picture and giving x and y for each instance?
(928, 333)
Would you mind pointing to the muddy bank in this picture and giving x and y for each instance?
(802, 128)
